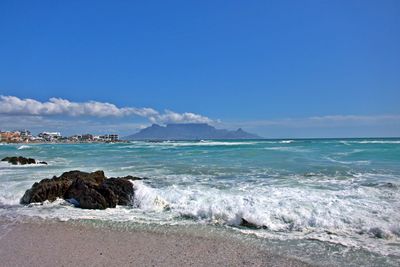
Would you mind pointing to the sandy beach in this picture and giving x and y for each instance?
(64, 244)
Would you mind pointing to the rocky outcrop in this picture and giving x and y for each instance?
(22, 161)
(84, 190)
(121, 187)
(88, 197)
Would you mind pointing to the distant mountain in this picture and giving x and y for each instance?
(188, 131)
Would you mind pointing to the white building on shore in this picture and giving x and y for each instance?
(50, 136)
(109, 137)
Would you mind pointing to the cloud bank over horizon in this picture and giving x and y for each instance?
(72, 117)
(12, 105)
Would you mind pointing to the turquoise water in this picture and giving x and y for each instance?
(337, 191)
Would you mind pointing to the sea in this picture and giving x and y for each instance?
(325, 201)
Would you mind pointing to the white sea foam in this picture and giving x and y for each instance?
(128, 167)
(358, 162)
(347, 153)
(24, 147)
(202, 143)
(287, 149)
(376, 142)
(206, 143)
(352, 217)
(345, 143)
(4, 164)
(286, 141)
(147, 198)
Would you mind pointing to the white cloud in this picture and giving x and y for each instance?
(173, 117)
(322, 121)
(11, 105)
(77, 117)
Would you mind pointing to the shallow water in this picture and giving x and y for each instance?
(342, 192)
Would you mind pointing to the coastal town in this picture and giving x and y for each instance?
(25, 136)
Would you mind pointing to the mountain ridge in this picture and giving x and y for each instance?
(188, 131)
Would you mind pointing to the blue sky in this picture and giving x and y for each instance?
(277, 68)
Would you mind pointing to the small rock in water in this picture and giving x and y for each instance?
(246, 223)
(22, 160)
(390, 185)
(377, 232)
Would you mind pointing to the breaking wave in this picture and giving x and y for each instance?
(351, 217)
(24, 147)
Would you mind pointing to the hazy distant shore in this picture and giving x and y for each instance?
(52, 243)
(61, 142)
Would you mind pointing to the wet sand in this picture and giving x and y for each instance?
(64, 244)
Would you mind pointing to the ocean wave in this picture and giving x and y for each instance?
(208, 143)
(347, 153)
(147, 198)
(4, 164)
(128, 167)
(345, 143)
(287, 209)
(358, 162)
(24, 147)
(356, 216)
(286, 141)
(376, 142)
(8, 200)
(192, 143)
(287, 149)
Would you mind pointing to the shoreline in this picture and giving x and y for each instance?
(56, 243)
(197, 140)
(60, 143)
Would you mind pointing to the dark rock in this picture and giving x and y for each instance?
(390, 185)
(93, 178)
(84, 190)
(122, 188)
(87, 196)
(110, 196)
(377, 232)
(19, 160)
(247, 224)
(133, 178)
(47, 189)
